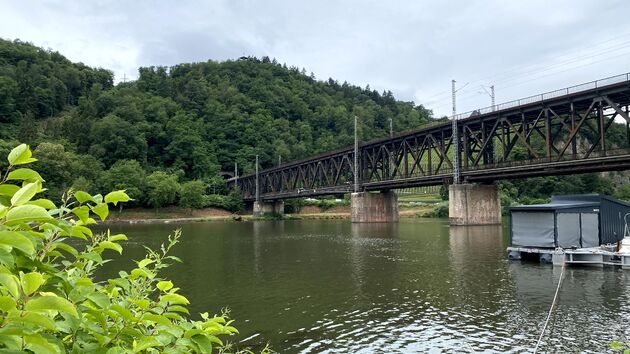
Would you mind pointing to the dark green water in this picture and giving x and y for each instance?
(330, 286)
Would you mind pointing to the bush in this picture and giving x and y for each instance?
(163, 189)
(230, 202)
(439, 211)
(326, 203)
(293, 206)
(50, 300)
(192, 194)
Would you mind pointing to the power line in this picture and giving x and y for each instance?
(525, 70)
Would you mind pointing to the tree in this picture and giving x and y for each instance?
(162, 189)
(192, 194)
(117, 139)
(129, 176)
(55, 166)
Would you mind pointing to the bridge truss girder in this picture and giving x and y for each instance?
(567, 134)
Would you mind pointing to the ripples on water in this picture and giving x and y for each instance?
(417, 286)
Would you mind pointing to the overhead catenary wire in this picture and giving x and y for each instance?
(519, 72)
(529, 77)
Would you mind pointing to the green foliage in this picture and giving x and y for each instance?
(127, 175)
(617, 346)
(192, 194)
(162, 189)
(539, 189)
(198, 118)
(231, 202)
(325, 203)
(443, 192)
(50, 300)
(440, 210)
(623, 193)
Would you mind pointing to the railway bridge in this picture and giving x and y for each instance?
(565, 131)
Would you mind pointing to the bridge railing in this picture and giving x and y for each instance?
(548, 95)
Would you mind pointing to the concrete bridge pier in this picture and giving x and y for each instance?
(374, 207)
(271, 207)
(474, 204)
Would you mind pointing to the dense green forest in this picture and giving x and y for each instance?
(165, 136)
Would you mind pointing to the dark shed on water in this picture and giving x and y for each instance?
(570, 221)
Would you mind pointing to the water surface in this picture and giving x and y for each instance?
(329, 286)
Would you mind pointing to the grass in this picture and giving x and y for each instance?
(425, 198)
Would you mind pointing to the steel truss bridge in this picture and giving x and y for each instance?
(565, 131)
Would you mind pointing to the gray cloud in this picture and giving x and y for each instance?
(412, 48)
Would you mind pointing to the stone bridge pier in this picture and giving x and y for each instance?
(374, 207)
(269, 207)
(474, 204)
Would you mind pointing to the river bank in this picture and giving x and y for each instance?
(176, 214)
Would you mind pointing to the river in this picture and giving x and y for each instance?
(329, 286)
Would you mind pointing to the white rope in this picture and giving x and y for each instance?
(553, 303)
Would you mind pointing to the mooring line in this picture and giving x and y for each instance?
(553, 304)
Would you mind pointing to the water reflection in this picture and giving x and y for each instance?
(415, 286)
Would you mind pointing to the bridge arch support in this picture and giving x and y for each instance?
(269, 207)
(374, 207)
(474, 204)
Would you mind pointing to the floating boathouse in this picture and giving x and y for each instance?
(584, 225)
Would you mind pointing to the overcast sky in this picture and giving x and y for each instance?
(413, 48)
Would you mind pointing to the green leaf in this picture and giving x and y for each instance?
(24, 174)
(118, 237)
(20, 155)
(14, 239)
(165, 285)
(32, 318)
(92, 256)
(25, 194)
(83, 197)
(44, 303)
(110, 245)
(81, 232)
(10, 282)
(8, 189)
(44, 203)
(101, 300)
(83, 212)
(64, 246)
(39, 345)
(116, 197)
(156, 318)
(126, 314)
(3, 211)
(139, 272)
(145, 262)
(175, 299)
(178, 308)
(102, 210)
(31, 282)
(7, 303)
(26, 213)
(203, 342)
(145, 343)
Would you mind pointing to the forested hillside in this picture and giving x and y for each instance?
(186, 123)
(190, 120)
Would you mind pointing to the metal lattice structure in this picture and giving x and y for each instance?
(560, 132)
